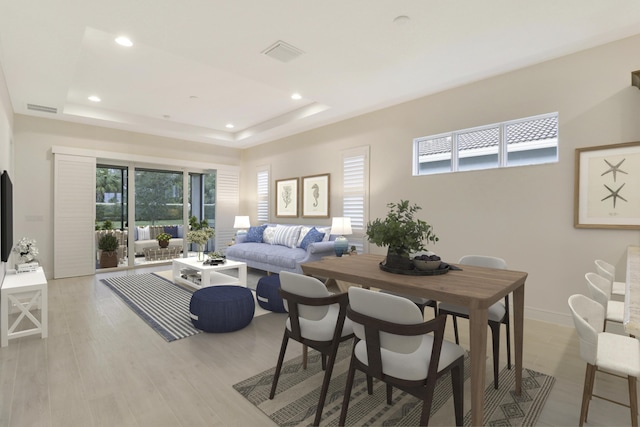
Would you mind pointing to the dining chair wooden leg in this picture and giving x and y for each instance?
(633, 400)
(276, 375)
(495, 338)
(455, 328)
(325, 382)
(389, 394)
(457, 386)
(369, 384)
(347, 393)
(586, 393)
(305, 355)
(507, 327)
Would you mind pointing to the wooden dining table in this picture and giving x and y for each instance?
(474, 287)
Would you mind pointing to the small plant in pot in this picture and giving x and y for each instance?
(163, 239)
(108, 244)
(402, 232)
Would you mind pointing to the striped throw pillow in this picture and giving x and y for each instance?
(286, 235)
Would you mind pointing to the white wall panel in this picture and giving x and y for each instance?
(74, 216)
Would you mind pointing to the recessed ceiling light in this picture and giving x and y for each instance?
(94, 98)
(124, 41)
(296, 96)
(229, 126)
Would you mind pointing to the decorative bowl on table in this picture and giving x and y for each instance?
(427, 262)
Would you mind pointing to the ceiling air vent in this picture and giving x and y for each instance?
(42, 108)
(282, 51)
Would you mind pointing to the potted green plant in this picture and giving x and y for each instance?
(108, 245)
(402, 232)
(163, 239)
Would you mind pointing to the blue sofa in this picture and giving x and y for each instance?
(275, 249)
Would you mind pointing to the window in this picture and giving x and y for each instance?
(355, 202)
(263, 194)
(528, 141)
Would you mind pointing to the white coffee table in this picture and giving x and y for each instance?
(210, 275)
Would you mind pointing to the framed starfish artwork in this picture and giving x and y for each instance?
(607, 186)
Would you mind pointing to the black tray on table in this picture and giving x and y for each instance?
(444, 268)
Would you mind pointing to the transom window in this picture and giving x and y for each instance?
(527, 141)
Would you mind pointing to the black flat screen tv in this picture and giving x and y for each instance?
(6, 224)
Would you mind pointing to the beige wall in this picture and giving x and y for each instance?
(522, 214)
(33, 183)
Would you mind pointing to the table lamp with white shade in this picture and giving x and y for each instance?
(341, 226)
(241, 223)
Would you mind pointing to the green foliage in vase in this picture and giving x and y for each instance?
(401, 231)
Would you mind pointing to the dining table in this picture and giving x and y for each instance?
(476, 288)
(631, 320)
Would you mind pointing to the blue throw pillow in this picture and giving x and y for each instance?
(255, 234)
(312, 236)
(171, 230)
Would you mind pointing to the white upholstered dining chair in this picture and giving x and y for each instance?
(498, 312)
(317, 319)
(608, 271)
(395, 345)
(604, 352)
(600, 291)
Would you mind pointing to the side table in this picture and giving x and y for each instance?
(25, 291)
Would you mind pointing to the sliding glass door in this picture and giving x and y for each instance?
(111, 213)
(159, 208)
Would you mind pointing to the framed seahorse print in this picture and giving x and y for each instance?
(315, 196)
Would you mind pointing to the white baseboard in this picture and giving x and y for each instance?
(548, 316)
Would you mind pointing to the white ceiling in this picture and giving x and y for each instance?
(197, 65)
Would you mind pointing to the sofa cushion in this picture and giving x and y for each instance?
(255, 234)
(287, 235)
(303, 232)
(326, 231)
(144, 233)
(312, 236)
(171, 230)
(181, 231)
(269, 233)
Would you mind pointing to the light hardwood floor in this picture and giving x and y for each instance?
(103, 366)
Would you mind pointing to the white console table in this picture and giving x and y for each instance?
(25, 291)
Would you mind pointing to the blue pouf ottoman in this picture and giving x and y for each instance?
(268, 294)
(222, 308)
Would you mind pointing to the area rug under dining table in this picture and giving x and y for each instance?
(298, 391)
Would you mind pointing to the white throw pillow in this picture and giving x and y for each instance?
(269, 233)
(326, 231)
(303, 232)
(286, 235)
(144, 233)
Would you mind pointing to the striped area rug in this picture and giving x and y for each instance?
(159, 302)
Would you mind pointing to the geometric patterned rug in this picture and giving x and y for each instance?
(298, 391)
